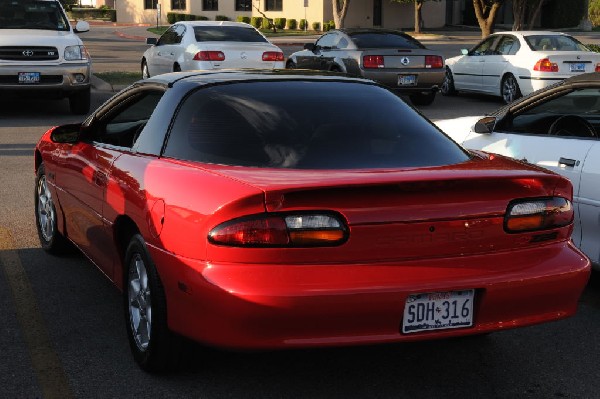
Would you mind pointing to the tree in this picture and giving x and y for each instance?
(526, 12)
(486, 12)
(418, 13)
(340, 8)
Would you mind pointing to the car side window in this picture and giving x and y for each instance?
(342, 43)
(485, 47)
(173, 35)
(121, 126)
(508, 45)
(327, 41)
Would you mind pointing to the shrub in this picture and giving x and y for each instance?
(331, 24)
(326, 26)
(221, 18)
(180, 17)
(316, 26)
(171, 18)
(279, 23)
(190, 17)
(593, 47)
(303, 24)
(242, 18)
(266, 23)
(291, 24)
(256, 22)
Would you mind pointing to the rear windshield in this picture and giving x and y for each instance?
(306, 125)
(44, 15)
(554, 43)
(384, 40)
(227, 34)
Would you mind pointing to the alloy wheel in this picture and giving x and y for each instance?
(45, 209)
(140, 302)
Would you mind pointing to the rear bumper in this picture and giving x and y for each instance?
(427, 80)
(278, 306)
(54, 79)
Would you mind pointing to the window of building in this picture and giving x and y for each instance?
(243, 5)
(274, 5)
(178, 5)
(150, 4)
(210, 5)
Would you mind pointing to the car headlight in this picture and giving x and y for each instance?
(76, 53)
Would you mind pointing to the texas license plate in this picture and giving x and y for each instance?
(438, 311)
(29, 77)
(578, 67)
(407, 80)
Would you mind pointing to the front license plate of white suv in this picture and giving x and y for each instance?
(438, 311)
(29, 77)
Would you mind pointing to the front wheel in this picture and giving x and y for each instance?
(422, 98)
(154, 346)
(290, 65)
(145, 70)
(80, 102)
(448, 88)
(509, 89)
(51, 239)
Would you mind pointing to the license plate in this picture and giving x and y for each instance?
(29, 77)
(438, 311)
(407, 80)
(578, 67)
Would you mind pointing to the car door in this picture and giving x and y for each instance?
(497, 61)
(529, 136)
(589, 204)
(85, 169)
(468, 71)
(163, 55)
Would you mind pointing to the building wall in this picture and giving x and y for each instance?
(396, 15)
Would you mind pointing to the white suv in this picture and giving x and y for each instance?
(41, 55)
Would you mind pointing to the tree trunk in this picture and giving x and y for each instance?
(535, 14)
(486, 16)
(340, 8)
(519, 7)
(418, 5)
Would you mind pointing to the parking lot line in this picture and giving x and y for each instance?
(46, 364)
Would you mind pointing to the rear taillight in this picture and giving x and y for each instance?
(373, 61)
(434, 61)
(209, 56)
(285, 230)
(272, 56)
(544, 65)
(598, 67)
(538, 214)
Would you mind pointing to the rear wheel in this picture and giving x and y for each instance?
(51, 239)
(509, 89)
(422, 98)
(154, 346)
(176, 68)
(290, 65)
(79, 102)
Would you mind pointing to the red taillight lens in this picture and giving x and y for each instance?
(298, 230)
(598, 67)
(434, 61)
(539, 214)
(209, 56)
(544, 65)
(373, 61)
(272, 56)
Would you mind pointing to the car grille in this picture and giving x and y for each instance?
(31, 53)
(44, 79)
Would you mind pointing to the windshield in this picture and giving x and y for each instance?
(45, 15)
(384, 39)
(323, 125)
(554, 43)
(227, 34)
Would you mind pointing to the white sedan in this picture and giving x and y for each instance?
(512, 64)
(192, 45)
(557, 128)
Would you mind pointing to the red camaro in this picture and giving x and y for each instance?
(281, 209)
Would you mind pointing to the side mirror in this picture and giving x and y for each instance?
(67, 134)
(151, 40)
(310, 47)
(81, 27)
(485, 125)
(464, 51)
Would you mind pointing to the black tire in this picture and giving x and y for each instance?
(448, 88)
(422, 98)
(336, 69)
(145, 70)
(176, 68)
(509, 89)
(290, 65)
(155, 348)
(79, 102)
(51, 240)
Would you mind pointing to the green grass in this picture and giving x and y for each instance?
(158, 30)
(119, 78)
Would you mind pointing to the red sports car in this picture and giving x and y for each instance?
(281, 209)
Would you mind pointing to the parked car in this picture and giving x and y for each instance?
(238, 215)
(389, 57)
(557, 128)
(512, 64)
(41, 55)
(193, 45)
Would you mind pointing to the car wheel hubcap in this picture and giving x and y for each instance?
(510, 90)
(140, 304)
(447, 82)
(45, 209)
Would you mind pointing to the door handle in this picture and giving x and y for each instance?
(568, 162)
(100, 178)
